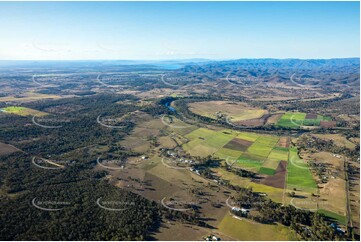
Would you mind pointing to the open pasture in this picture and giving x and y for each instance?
(22, 111)
(251, 231)
(225, 153)
(299, 175)
(251, 151)
(297, 119)
(236, 111)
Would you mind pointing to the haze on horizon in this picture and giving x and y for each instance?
(178, 30)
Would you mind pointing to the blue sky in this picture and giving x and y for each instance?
(178, 30)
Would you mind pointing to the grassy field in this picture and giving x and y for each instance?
(337, 217)
(237, 111)
(225, 153)
(263, 145)
(299, 174)
(297, 119)
(250, 150)
(29, 97)
(204, 142)
(242, 229)
(22, 111)
(219, 140)
(248, 114)
(200, 133)
(291, 120)
(249, 162)
(267, 171)
(248, 136)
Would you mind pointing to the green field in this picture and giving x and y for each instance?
(219, 140)
(267, 171)
(262, 155)
(204, 142)
(245, 230)
(200, 133)
(246, 161)
(263, 145)
(297, 119)
(277, 154)
(337, 217)
(299, 174)
(225, 153)
(248, 136)
(22, 111)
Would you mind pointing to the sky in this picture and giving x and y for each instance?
(178, 30)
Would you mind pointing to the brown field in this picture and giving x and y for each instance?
(333, 194)
(153, 180)
(252, 122)
(31, 96)
(238, 144)
(284, 142)
(167, 142)
(237, 111)
(6, 149)
(328, 124)
(278, 179)
(338, 139)
(136, 144)
(274, 118)
(311, 116)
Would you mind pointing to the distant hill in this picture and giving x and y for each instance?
(323, 72)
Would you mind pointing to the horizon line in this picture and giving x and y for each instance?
(189, 59)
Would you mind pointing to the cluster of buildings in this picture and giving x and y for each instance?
(240, 211)
(195, 171)
(211, 238)
(174, 154)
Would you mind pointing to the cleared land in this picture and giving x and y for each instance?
(6, 149)
(252, 231)
(22, 111)
(299, 175)
(257, 152)
(337, 139)
(297, 119)
(236, 111)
